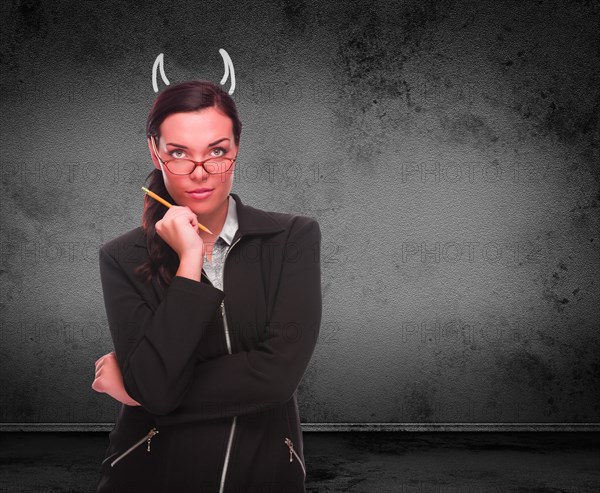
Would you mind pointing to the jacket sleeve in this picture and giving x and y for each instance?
(267, 375)
(154, 348)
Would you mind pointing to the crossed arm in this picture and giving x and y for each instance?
(165, 379)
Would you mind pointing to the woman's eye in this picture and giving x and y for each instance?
(219, 151)
(177, 154)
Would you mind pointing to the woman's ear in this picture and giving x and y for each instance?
(153, 155)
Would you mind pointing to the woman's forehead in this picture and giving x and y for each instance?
(208, 124)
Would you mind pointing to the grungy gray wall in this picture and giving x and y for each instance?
(449, 150)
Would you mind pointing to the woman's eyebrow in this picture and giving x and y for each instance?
(209, 145)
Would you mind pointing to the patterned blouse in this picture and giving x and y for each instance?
(214, 269)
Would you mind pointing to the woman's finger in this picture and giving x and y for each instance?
(108, 355)
(97, 385)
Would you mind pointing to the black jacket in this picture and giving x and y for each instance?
(215, 372)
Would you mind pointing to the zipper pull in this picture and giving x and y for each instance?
(289, 443)
(151, 433)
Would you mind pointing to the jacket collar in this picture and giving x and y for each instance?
(231, 222)
(251, 221)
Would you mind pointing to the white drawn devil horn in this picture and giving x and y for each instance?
(229, 72)
(159, 63)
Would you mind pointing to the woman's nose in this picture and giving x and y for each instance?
(199, 173)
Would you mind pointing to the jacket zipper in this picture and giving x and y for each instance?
(226, 328)
(290, 444)
(147, 438)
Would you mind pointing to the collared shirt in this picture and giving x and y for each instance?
(214, 269)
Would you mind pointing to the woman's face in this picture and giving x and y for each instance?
(197, 135)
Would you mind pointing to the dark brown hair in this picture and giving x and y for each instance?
(187, 96)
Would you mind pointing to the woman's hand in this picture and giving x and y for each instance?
(179, 229)
(110, 381)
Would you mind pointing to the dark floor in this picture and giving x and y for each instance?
(379, 462)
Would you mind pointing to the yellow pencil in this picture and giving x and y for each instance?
(164, 202)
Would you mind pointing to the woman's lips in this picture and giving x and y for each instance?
(200, 195)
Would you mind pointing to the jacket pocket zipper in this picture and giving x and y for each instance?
(147, 438)
(290, 444)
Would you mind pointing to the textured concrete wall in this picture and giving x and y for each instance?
(449, 150)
